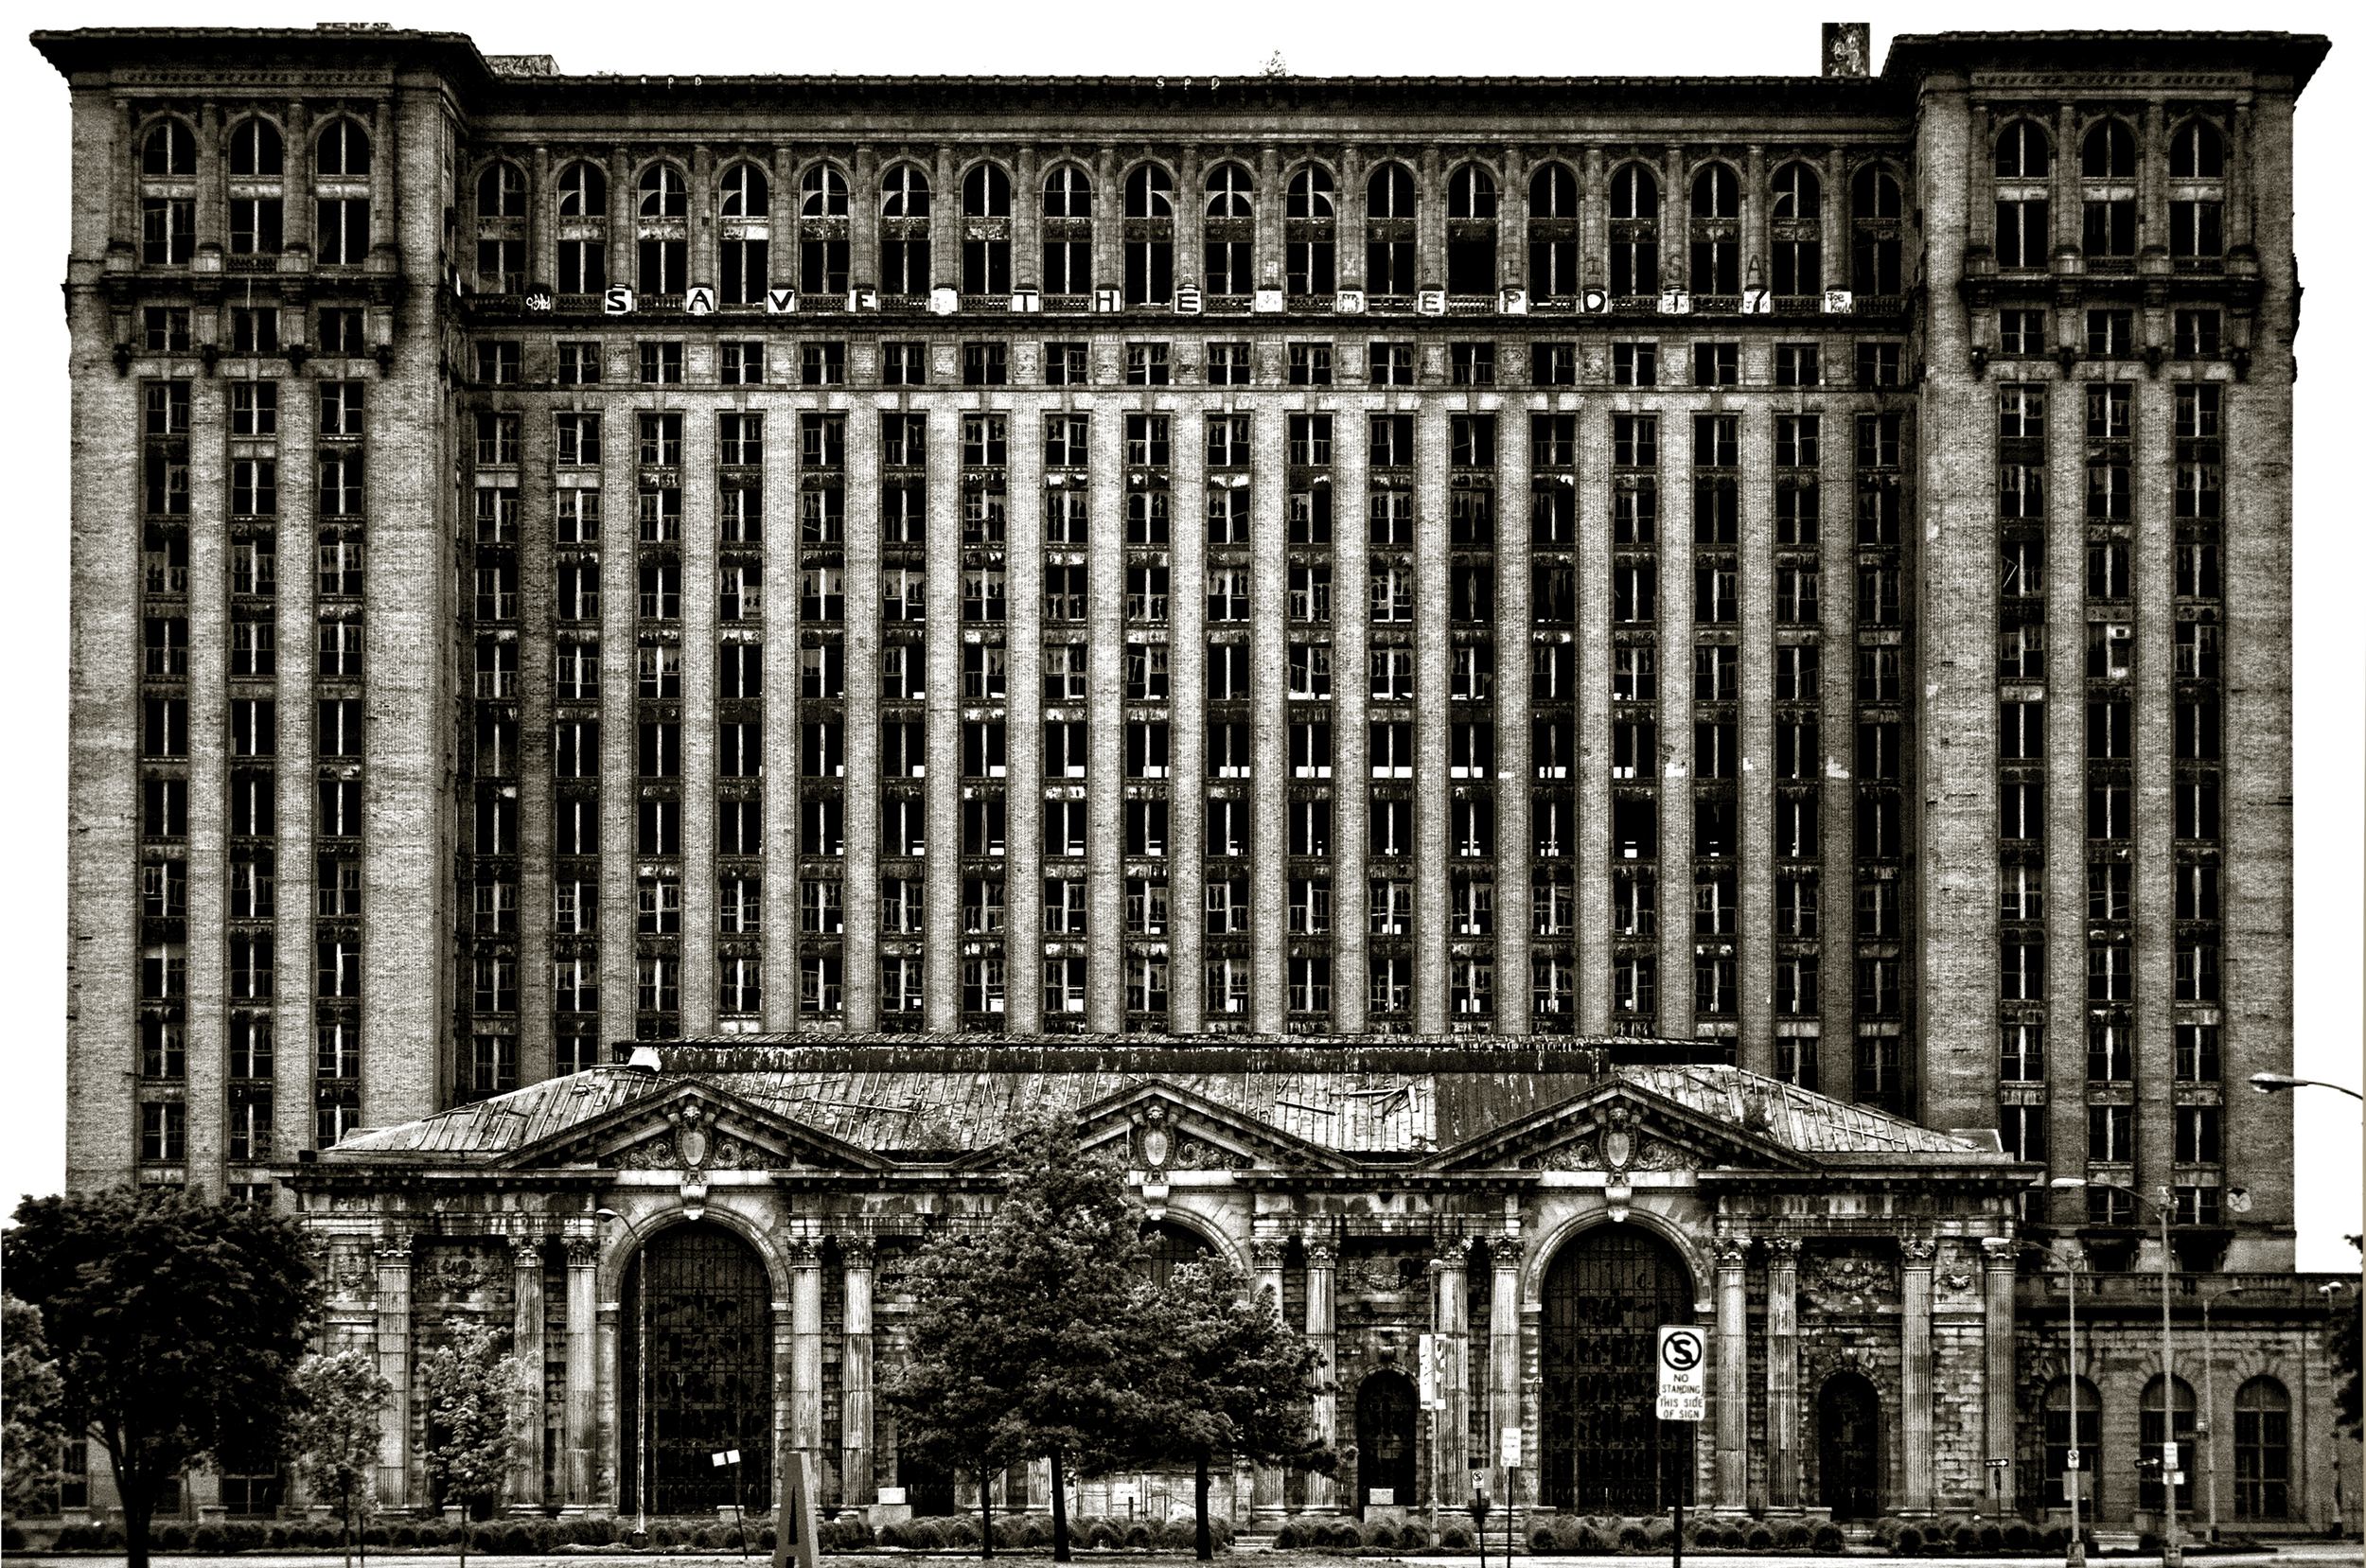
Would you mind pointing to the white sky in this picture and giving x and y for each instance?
(1516, 37)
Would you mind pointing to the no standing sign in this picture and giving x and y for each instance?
(1683, 1383)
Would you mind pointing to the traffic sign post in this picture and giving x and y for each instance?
(1683, 1398)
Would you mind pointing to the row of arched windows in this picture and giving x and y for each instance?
(2024, 150)
(1713, 264)
(2110, 220)
(341, 149)
(2262, 1445)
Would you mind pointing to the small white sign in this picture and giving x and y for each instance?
(944, 302)
(1347, 302)
(1838, 302)
(617, 301)
(1757, 302)
(1430, 302)
(699, 302)
(863, 299)
(1594, 300)
(1187, 299)
(780, 302)
(1107, 300)
(1429, 1371)
(1382, 1496)
(1682, 1373)
(1269, 301)
(1511, 302)
(892, 1496)
(1510, 1458)
(1675, 302)
(1027, 302)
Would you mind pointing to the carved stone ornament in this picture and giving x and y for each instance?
(1197, 1153)
(1577, 1154)
(1157, 1140)
(1847, 1284)
(690, 1122)
(1658, 1155)
(459, 1275)
(1506, 1251)
(1619, 1137)
(1918, 1251)
(1268, 1254)
(655, 1154)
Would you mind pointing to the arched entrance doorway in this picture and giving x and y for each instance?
(1605, 1297)
(697, 1373)
(1385, 1438)
(1848, 1447)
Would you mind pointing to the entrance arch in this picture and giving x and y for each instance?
(697, 1373)
(1385, 1438)
(1605, 1297)
(1848, 1446)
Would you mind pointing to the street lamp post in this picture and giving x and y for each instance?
(2277, 1082)
(2074, 1553)
(2202, 1432)
(2172, 1548)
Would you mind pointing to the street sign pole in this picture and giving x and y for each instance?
(1682, 1400)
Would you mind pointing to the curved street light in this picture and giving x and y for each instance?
(2277, 1082)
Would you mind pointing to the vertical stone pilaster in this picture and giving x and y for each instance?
(525, 1474)
(393, 1364)
(1503, 1369)
(583, 1372)
(1450, 1320)
(805, 1385)
(1996, 1392)
(1321, 1263)
(1733, 1373)
(855, 1378)
(1916, 1452)
(1266, 1253)
(607, 1451)
(1782, 1372)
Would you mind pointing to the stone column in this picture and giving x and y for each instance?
(607, 1457)
(1503, 1366)
(945, 221)
(1321, 1261)
(1108, 222)
(622, 204)
(582, 1371)
(1025, 233)
(1733, 1374)
(1429, 223)
(1190, 218)
(542, 233)
(1913, 1377)
(857, 1489)
(703, 271)
(1996, 1391)
(1272, 203)
(393, 1364)
(1511, 261)
(1757, 232)
(525, 1471)
(784, 1402)
(805, 1381)
(1782, 1372)
(862, 235)
(1353, 203)
(1266, 1253)
(213, 195)
(2064, 214)
(1451, 1321)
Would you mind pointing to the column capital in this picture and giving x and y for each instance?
(1453, 1252)
(1732, 1251)
(1268, 1252)
(1919, 1251)
(804, 1252)
(395, 1251)
(582, 1252)
(1782, 1252)
(1506, 1251)
(861, 1252)
(1321, 1254)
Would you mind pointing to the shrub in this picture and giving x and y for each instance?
(2055, 1538)
(1908, 1540)
(1758, 1538)
(1796, 1535)
(172, 1538)
(1105, 1535)
(1455, 1538)
(1991, 1537)
(1829, 1537)
(1413, 1538)
(1886, 1530)
(896, 1533)
(207, 1539)
(2017, 1536)
(1658, 1533)
(2148, 1542)
(1964, 1538)
(1182, 1534)
(1138, 1533)
(1343, 1535)
(1382, 1537)
(766, 1538)
(1632, 1538)
(1543, 1538)
(12, 1538)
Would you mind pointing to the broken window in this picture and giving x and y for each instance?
(1311, 233)
(1067, 232)
(1149, 235)
(1634, 232)
(1553, 231)
(903, 230)
(1230, 230)
(1388, 231)
(1799, 231)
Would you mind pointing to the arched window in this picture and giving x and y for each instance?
(500, 191)
(1310, 193)
(257, 220)
(824, 191)
(2196, 152)
(697, 1347)
(986, 241)
(500, 246)
(2022, 212)
(342, 150)
(2152, 1432)
(745, 251)
(663, 192)
(169, 150)
(1311, 237)
(1633, 231)
(2021, 151)
(1552, 232)
(1716, 235)
(1232, 192)
(2109, 153)
(1798, 241)
(582, 191)
(2061, 1436)
(1876, 203)
(1149, 192)
(582, 248)
(1717, 192)
(1389, 194)
(2263, 1449)
(1167, 1245)
(1471, 231)
(904, 260)
(746, 192)
(256, 151)
(1067, 192)
(1149, 259)
(1067, 233)
(1388, 235)
(1606, 1295)
(1471, 193)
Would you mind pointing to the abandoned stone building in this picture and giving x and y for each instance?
(861, 859)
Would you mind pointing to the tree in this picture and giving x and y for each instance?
(177, 1324)
(336, 1438)
(1233, 1378)
(32, 1393)
(2344, 1325)
(473, 1390)
(1030, 1341)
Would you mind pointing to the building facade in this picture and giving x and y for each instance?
(1340, 560)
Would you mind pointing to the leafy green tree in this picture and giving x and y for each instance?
(1231, 1377)
(177, 1323)
(1029, 1339)
(33, 1393)
(336, 1439)
(473, 1393)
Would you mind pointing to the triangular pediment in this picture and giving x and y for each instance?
(691, 1126)
(1159, 1126)
(1620, 1127)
